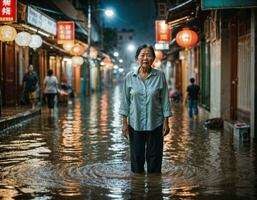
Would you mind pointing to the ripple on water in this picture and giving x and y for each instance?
(116, 177)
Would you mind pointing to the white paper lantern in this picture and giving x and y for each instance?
(23, 39)
(7, 33)
(36, 41)
(77, 60)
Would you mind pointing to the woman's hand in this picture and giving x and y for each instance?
(125, 126)
(125, 130)
(166, 128)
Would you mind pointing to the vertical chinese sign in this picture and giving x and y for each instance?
(163, 32)
(8, 10)
(65, 32)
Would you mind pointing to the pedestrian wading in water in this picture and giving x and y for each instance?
(145, 110)
(50, 90)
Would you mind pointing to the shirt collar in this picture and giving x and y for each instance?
(136, 72)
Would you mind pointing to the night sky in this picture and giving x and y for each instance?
(136, 14)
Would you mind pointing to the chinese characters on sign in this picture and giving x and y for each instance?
(41, 21)
(8, 10)
(163, 33)
(65, 32)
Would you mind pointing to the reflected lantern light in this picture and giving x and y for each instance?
(186, 38)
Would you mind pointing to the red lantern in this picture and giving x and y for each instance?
(77, 50)
(186, 38)
(158, 55)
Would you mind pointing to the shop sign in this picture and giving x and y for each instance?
(41, 21)
(163, 32)
(8, 10)
(225, 4)
(65, 31)
(161, 46)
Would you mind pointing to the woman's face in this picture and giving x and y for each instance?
(145, 58)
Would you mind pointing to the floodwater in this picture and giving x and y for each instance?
(80, 153)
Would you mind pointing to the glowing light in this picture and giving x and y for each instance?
(109, 12)
(36, 41)
(7, 33)
(131, 47)
(68, 45)
(77, 60)
(186, 38)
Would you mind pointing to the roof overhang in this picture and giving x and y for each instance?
(182, 13)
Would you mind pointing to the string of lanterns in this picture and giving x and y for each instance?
(23, 38)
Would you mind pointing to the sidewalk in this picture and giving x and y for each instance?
(12, 116)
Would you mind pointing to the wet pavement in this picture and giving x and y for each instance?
(80, 153)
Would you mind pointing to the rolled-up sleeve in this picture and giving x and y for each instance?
(165, 98)
(124, 105)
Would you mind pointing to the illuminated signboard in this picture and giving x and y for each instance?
(163, 32)
(224, 4)
(8, 10)
(65, 31)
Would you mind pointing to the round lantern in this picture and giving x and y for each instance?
(93, 53)
(77, 60)
(36, 41)
(77, 50)
(68, 45)
(23, 39)
(106, 61)
(186, 38)
(7, 33)
(158, 55)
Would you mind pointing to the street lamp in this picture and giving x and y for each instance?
(116, 54)
(131, 47)
(108, 13)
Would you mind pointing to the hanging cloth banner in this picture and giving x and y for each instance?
(8, 10)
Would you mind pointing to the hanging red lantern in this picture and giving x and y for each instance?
(77, 50)
(158, 55)
(186, 38)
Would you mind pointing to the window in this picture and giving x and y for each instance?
(162, 8)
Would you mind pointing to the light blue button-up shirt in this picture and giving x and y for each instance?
(145, 102)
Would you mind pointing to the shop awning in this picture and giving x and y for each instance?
(182, 13)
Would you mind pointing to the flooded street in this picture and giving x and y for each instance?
(80, 153)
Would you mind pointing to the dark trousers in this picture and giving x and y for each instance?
(50, 99)
(146, 145)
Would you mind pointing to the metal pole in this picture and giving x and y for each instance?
(102, 35)
(88, 87)
(89, 25)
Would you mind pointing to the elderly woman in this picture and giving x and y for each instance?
(145, 109)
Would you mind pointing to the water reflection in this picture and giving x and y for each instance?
(80, 153)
